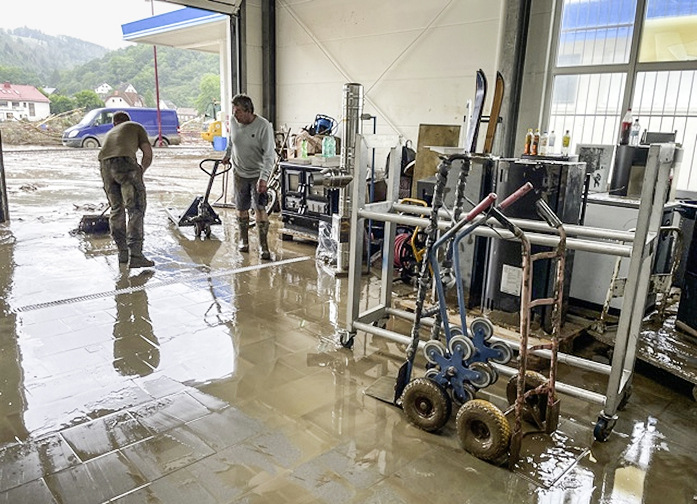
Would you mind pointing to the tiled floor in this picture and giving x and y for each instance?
(215, 378)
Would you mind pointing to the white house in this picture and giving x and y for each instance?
(18, 101)
(103, 89)
(125, 96)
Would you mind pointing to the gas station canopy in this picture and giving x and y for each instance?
(224, 6)
(188, 28)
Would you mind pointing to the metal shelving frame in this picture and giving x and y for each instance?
(639, 246)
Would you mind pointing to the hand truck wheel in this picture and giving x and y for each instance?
(426, 404)
(483, 429)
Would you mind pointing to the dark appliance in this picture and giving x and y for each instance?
(561, 185)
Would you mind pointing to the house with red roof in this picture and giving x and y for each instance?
(18, 101)
(125, 96)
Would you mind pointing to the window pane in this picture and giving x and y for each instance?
(666, 102)
(588, 106)
(670, 31)
(596, 32)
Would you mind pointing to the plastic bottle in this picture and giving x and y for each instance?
(634, 133)
(303, 148)
(528, 143)
(331, 142)
(550, 142)
(535, 143)
(325, 146)
(626, 127)
(544, 139)
(565, 143)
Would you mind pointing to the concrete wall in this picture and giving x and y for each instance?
(416, 60)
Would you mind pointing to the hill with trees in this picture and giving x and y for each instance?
(74, 67)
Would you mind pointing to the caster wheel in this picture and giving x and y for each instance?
(460, 344)
(483, 430)
(433, 348)
(535, 406)
(426, 404)
(504, 351)
(346, 340)
(484, 326)
(603, 428)
(486, 376)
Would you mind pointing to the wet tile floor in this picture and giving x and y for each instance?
(214, 378)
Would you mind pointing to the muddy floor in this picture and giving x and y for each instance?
(215, 377)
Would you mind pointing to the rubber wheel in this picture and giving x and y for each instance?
(426, 404)
(483, 430)
(485, 375)
(90, 143)
(603, 429)
(462, 345)
(506, 354)
(469, 391)
(483, 325)
(456, 331)
(537, 404)
(164, 143)
(432, 347)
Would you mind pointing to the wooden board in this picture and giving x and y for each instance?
(426, 164)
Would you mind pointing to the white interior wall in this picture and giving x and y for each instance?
(416, 60)
(254, 54)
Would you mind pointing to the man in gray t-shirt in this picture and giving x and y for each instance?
(252, 152)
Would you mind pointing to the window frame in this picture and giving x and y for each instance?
(631, 69)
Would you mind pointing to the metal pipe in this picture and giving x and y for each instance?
(537, 239)
(571, 230)
(568, 359)
(351, 125)
(564, 388)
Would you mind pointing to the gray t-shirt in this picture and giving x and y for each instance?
(251, 148)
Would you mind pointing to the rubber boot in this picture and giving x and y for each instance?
(243, 245)
(263, 227)
(137, 259)
(123, 256)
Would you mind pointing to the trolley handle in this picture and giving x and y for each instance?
(519, 193)
(505, 222)
(544, 211)
(214, 172)
(481, 207)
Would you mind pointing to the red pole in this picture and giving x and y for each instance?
(157, 87)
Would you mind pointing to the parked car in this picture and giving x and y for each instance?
(90, 131)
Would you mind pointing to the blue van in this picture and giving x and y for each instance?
(90, 131)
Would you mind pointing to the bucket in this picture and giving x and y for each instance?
(219, 143)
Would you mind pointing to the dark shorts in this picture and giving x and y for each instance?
(246, 194)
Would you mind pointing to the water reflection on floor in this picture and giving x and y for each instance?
(216, 378)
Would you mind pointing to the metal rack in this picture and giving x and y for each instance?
(640, 248)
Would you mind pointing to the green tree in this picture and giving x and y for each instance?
(61, 103)
(88, 99)
(209, 91)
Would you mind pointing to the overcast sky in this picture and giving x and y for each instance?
(97, 21)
